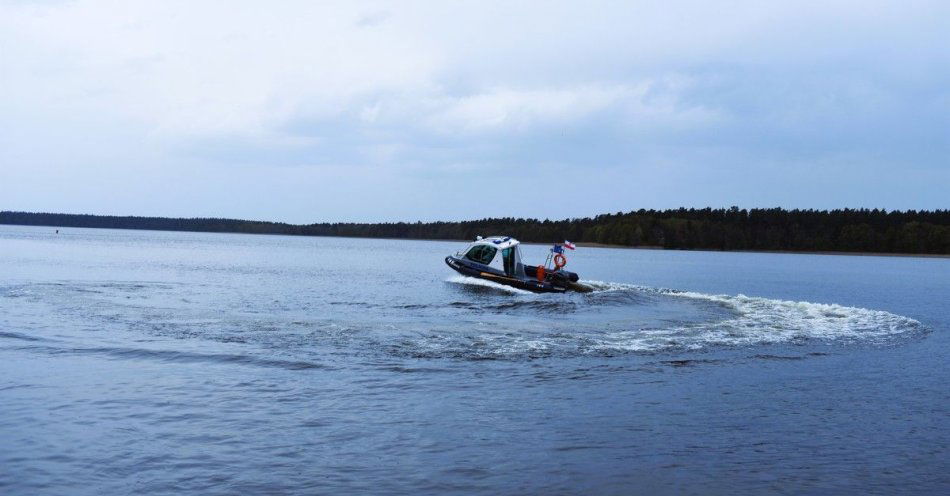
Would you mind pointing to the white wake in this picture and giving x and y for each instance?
(474, 281)
(760, 321)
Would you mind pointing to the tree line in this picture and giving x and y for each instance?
(847, 230)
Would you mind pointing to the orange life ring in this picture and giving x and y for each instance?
(559, 260)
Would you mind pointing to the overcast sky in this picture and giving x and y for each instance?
(370, 111)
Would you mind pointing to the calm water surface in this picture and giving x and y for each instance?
(158, 363)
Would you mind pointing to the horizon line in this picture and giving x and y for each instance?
(622, 212)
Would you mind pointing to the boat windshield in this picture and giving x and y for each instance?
(482, 254)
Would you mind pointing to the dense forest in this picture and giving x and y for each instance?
(851, 230)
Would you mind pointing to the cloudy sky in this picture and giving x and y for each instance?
(363, 111)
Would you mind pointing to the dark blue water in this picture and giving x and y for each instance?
(161, 363)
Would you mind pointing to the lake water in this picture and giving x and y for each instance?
(159, 363)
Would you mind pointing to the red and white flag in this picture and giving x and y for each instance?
(569, 245)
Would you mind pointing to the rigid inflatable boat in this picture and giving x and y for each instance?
(498, 259)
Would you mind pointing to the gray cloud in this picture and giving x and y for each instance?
(375, 18)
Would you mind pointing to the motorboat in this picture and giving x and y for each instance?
(498, 259)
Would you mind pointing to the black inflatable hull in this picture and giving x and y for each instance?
(552, 284)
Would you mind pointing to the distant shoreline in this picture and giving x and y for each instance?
(774, 252)
(791, 252)
(860, 232)
(578, 244)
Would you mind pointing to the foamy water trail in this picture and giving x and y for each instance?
(759, 321)
(747, 321)
(505, 323)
